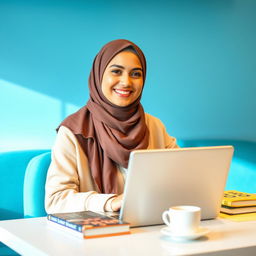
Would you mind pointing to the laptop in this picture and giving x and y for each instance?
(158, 179)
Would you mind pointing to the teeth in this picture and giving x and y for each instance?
(122, 92)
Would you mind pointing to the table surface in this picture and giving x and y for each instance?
(36, 237)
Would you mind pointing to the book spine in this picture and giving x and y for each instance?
(227, 203)
(64, 223)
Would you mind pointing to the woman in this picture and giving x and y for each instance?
(91, 152)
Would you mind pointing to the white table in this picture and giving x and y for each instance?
(36, 237)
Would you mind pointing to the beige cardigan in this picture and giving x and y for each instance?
(69, 185)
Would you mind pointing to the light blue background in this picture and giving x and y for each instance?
(201, 57)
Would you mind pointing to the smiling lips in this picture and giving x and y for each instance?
(123, 93)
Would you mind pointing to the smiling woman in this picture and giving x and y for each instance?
(91, 153)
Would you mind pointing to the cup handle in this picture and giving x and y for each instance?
(166, 218)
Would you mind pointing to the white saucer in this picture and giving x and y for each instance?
(200, 232)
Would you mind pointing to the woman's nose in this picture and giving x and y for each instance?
(125, 80)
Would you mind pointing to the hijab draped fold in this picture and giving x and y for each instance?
(107, 133)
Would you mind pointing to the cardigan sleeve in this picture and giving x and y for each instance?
(69, 167)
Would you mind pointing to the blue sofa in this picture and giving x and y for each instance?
(29, 167)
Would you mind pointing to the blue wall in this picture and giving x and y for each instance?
(201, 64)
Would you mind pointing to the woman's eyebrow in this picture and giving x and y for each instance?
(119, 66)
(137, 69)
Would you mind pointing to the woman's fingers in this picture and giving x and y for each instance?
(116, 203)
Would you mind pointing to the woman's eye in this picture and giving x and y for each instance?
(116, 71)
(136, 74)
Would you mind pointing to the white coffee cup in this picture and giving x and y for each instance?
(182, 220)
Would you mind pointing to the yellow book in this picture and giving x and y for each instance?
(234, 198)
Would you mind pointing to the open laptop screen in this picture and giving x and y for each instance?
(158, 179)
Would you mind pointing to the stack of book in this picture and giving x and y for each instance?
(88, 224)
(236, 202)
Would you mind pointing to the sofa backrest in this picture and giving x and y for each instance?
(34, 185)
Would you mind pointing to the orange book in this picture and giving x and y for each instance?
(88, 224)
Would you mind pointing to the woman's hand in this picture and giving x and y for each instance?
(116, 203)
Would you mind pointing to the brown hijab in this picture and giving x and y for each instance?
(106, 132)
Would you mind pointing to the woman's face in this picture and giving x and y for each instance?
(122, 81)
